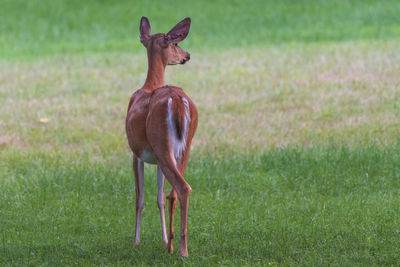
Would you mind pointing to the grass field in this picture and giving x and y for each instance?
(296, 157)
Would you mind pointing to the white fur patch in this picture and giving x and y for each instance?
(178, 146)
(148, 156)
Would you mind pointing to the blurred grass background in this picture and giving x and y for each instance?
(37, 28)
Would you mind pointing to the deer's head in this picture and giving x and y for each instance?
(166, 45)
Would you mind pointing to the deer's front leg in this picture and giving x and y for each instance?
(138, 167)
(161, 203)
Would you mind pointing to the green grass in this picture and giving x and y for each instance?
(296, 157)
(45, 27)
(326, 205)
(252, 99)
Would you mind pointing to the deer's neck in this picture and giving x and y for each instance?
(155, 72)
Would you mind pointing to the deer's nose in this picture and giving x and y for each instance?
(187, 57)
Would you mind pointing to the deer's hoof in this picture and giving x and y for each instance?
(136, 245)
(170, 248)
(184, 254)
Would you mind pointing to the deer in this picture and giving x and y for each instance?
(160, 124)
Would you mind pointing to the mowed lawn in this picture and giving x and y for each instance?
(296, 160)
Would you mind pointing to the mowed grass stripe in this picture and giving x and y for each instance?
(323, 205)
(247, 98)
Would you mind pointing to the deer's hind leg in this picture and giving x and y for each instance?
(172, 198)
(183, 190)
(180, 187)
(171, 208)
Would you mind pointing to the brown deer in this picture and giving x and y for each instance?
(160, 124)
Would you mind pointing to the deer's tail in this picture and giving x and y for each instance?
(178, 120)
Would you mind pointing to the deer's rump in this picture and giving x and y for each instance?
(152, 116)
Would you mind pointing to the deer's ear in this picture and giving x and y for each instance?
(179, 32)
(144, 31)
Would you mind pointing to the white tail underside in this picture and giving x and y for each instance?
(178, 146)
